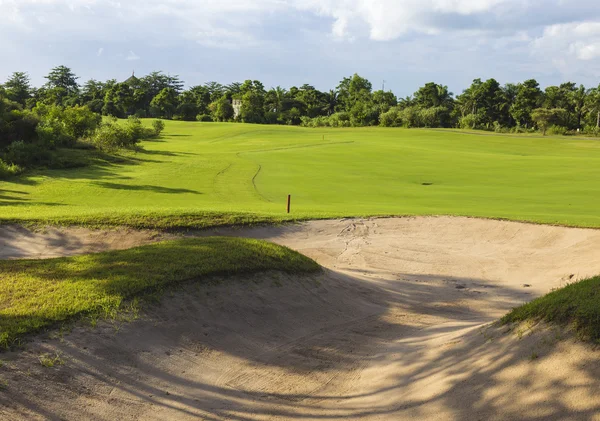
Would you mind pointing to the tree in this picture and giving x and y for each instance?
(384, 100)
(119, 101)
(62, 87)
(274, 99)
(93, 94)
(221, 109)
(252, 107)
(578, 101)
(164, 103)
(352, 90)
(528, 98)
(433, 95)
(331, 101)
(593, 105)
(18, 88)
(544, 117)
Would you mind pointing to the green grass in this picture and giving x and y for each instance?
(38, 293)
(202, 174)
(576, 305)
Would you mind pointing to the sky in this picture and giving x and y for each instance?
(405, 43)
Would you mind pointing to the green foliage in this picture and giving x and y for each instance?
(113, 135)
(8, 170)
(221, 109)
(469, 121)
(558, 130)
(62, 87)
(18, 88)
(164, 103)
(158, 126)
(252, 110)
(15, 123)
(390, 118)
(204, 117)
(62, 126)
(40, 293)
(545, 118)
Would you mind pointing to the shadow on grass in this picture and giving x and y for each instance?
(149, 188)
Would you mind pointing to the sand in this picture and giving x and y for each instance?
(396, 328)
(17, 242)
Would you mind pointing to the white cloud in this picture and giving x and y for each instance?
(578, 40)
(539, 36)
(390, 19)
(132, 56)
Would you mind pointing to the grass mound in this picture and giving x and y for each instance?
(577, 305)
(38, 293)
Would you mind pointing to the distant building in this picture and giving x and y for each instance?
(237, 106)
(133, 81)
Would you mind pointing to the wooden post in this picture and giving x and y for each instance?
(289, 202)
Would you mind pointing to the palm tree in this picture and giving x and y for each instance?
(331, 102)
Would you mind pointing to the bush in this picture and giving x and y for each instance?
(592, 130)
(558, 130)
(7, 170)
(26, 154)
(157, 127)
(204, 117)
(112, 135)
(499, 128)
(409, 117)
(390, 118)
(341, 119)
(470, 121)
(64, 126)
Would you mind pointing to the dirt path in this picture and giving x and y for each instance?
(391, 331)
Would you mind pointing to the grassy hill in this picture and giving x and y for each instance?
(206, 173)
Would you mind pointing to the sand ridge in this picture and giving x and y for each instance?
(396, 328)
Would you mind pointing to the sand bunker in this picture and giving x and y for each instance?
(394, 329)
(17, 242)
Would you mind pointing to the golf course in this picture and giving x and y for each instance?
(204, 174)
(420, 274)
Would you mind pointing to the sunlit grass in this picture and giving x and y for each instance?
(203, 174)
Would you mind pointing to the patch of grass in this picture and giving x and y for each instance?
(207, 174)
(51, 360)
(576, 305)
(35, 294)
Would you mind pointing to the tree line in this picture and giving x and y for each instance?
(484, 105)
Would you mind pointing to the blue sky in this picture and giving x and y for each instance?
(290, 42)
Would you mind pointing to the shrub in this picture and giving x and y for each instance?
(64, 126)
(25, 154)
(7, 170)
(558, 130)
(499, 128)
(390, 118)
(204, 117)
(341, 119)
(469, 121)
(158, 126)
(112, 135)
(409, 117)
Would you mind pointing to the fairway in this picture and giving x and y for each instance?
(200, 168)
